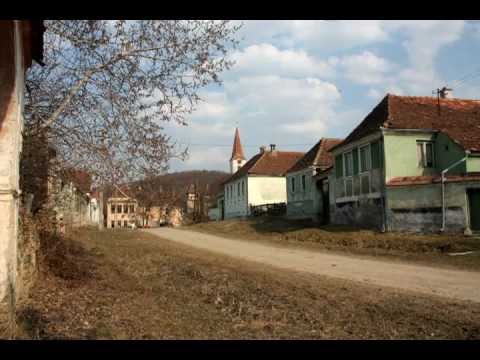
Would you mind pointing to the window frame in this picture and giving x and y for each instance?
(345, 155)
(304, 182)
(368, 160)
(292, 188)
(422, 161)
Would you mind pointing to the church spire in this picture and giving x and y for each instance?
(238, 158)
(237, 151)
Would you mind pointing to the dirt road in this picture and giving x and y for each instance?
(463, 285)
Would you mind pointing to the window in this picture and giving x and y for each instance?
(119, 223)
(243, 188)
(113, 209)
(293, 184)
(125, 209)
(113, 224)
(238, 189)
(425, 154)
(125, 224)
(132, 209)
(348, 164)
(376, 155)
(303, 183)
(365, 158)
(339, 166)
(119, 209)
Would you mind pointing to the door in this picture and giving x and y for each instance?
(325, 202)
(474, 207)
(222, 210)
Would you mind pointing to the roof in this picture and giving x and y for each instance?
(317, 156)
(431, 179)
(237, 150)
(457, 118)
(269, 163)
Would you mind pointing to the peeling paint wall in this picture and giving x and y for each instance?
(419, 208)
(364, 213)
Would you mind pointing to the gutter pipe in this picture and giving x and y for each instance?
(467, 152)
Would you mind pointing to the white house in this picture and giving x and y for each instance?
(305, 194)
(259, 181)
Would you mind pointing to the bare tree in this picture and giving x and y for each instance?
(108, 86)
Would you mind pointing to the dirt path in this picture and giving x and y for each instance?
(463, 285)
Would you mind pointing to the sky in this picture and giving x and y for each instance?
(294, 82)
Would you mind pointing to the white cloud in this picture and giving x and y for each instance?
(365, 68)
(314, 34)
(266, 59)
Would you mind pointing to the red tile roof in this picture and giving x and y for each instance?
(317, 156)
(432, 179)
(269, 163)
(457, 118)
(237, 151)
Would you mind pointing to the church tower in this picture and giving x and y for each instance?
(238, 159)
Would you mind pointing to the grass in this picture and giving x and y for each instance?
(430, 249)
(134, 285)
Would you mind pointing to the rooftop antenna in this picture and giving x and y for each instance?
(441, 94)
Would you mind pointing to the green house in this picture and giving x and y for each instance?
(413, 164)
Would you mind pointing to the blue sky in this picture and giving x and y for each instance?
(297, 81)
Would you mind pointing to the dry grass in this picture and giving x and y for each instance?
(141, 287)
(426, 249)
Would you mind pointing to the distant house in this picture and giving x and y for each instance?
(121, 210)
(388, 171)
(260, 181)
(305, 196)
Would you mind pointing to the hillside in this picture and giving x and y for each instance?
(173, 187)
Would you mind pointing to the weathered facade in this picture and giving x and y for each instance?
(306, 197)
(388, 172)
(21, 42)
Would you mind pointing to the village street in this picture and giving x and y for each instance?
(461, 285)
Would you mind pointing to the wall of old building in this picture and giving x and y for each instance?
(237, 197)
(11, 124)
(419, 208)
(303, 203)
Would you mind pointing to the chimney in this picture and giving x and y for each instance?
(272, 147)
(262, 149)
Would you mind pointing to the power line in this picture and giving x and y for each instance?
(230, 145)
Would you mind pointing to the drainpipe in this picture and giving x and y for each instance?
(443, 187)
